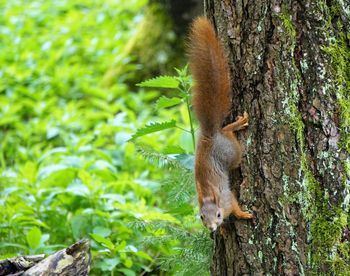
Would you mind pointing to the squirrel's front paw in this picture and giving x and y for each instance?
(244, 215)
(243, 120)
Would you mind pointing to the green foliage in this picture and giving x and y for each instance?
(153, 127)
(167, 102)
(66, 168)
(162, 81)
(182, 84)
(192, 253)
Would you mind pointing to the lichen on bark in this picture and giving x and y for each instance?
(326, 224)
(290, 71)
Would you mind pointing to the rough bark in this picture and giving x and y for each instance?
(74, 260)
(287, 63)
(20, 263)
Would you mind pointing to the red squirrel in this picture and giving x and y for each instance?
(218, 150)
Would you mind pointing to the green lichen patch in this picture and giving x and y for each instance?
(328, 227)
(287, 22)
(328, 249)
(327, 246)
(339, 53)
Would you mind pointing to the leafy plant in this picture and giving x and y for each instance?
(192, 251)
(66, 171)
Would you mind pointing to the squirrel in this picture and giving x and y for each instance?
(218, 150)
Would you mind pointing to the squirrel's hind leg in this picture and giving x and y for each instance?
(236, 209)
(240, 123)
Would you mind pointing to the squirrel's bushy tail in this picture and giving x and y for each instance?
(211, 99)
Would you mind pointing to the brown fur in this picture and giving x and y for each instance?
(218, 150)
(211, 99)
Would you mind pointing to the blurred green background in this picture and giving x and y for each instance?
(69, 105)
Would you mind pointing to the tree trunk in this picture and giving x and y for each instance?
(290, 65)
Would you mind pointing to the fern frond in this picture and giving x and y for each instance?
(192, 247)
(180, 186)
(160, 159)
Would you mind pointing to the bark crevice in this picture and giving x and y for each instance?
(282, 76)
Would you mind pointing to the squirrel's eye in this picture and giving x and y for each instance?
(219, 215)
(201, 217)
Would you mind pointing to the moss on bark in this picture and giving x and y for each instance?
(291, 61)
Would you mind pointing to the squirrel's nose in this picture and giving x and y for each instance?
(212, 228)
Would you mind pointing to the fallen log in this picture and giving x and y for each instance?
(73, 260)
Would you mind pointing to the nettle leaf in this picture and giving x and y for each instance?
(153, 127)
(167, 102)
(160, 82)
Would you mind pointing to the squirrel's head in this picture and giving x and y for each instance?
(211, 215)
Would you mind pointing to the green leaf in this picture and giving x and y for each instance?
(51, 152)
(29, 171)
(102, 231)
(153, 127)
(105, 242)
(174, 150)
(78, 188)
(8, 120)
(120, 247)
(160, 82)
(79, 224)
(16, 245)
(57, 178)
(24, 220)
(52, 132)
(108, 264)
(127, 272)
(34, 237)
(144, 255)
(167, 102)
(128, 262)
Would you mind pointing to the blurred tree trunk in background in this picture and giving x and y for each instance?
(290, 70)
(182, 12)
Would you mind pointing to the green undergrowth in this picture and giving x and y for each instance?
(192, 255)
(67, 168)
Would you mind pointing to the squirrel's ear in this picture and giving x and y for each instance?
(199, 193)
(216, 199)
(215, 195)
